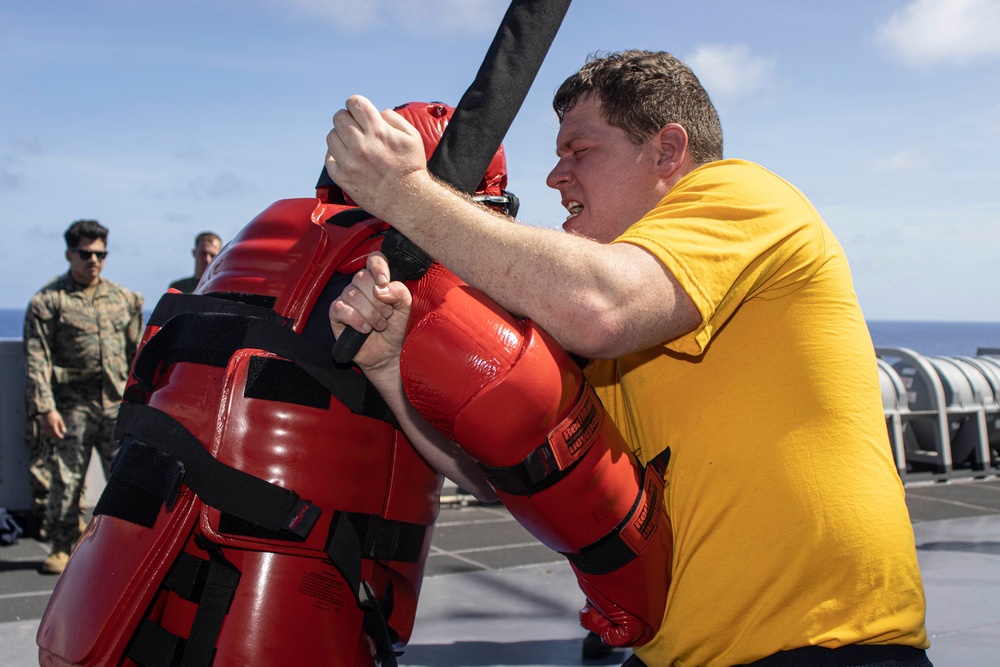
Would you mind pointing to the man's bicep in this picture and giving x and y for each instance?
(658, 308)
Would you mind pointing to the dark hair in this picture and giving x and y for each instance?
(91, 229)
(640, 92)
(207, 236)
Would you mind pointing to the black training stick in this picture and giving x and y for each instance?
(481, 119)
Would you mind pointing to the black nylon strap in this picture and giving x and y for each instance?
(537, 472)
(608, 553)
(540, 468)
(387, 539)
(212, 338)
(354, 536)
(248, 305)
(187, 576)
(611, 552)
(344, 549)
(220, 587)
(273, 379)
(152, 646)
(376, 627)
(218, 485)
(347, 545)
(347, 217)
(143, 479)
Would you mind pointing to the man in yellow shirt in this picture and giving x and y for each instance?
(720, 314)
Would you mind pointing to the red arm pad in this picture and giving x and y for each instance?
(518, 404)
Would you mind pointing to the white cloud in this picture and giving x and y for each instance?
(903, 161)
(943, 31)
(730, 71)
(452, 15)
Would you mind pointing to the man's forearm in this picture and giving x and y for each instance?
(528, 270)
(438, 451)
(590, 297)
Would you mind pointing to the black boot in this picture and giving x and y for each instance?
(594, 648)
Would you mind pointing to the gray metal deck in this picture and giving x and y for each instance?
(495, 597)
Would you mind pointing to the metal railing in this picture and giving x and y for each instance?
(942, 413)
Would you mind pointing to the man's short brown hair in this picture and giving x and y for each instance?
(207, 236)
(640, 92)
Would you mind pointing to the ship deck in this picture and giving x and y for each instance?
(494, 597)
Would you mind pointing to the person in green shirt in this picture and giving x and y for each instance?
(206, 246)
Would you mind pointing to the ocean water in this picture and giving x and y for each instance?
(927, 338)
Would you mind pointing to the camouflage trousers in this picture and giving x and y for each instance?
(39, 478)
(89, 426)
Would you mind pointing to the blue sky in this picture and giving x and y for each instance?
(165, 118)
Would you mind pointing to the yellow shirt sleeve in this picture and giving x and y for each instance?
(709, 219)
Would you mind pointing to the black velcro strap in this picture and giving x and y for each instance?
(605, 555)
(213, 338)
(187, 576)
(552, 460)
(354, 536)
(375, 625)
(347, 217)
(143, 479)
(273, 379)
(343, 546)
(217, 596)
(152, 646)
(627, 540)
(217, 485)
(234, 303)
(344, 549)
(386, 539)
(232, 525)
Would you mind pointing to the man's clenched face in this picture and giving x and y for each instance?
(607, 182)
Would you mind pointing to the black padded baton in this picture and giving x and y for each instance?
(481, 119)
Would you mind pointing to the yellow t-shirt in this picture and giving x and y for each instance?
(789, 522)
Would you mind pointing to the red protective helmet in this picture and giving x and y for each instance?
(430, 119)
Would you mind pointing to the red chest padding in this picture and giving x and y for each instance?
(264, 509)
(519, 405)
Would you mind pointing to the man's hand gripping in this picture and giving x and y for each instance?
(374, 304)
(374, 156)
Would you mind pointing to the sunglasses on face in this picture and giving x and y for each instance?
(85, 255)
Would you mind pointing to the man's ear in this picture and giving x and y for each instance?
(671, 142)
(68, 256)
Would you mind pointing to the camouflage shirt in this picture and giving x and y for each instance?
(79, 340)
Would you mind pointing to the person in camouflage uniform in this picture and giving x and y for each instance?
(206, 246)
(80, 335)
(38, 475)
